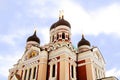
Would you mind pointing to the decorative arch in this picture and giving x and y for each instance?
(63, 35)
(53, 38)
(57, 36)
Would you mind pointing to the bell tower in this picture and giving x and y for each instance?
(62, 56)
(60, 30)
(90, 63)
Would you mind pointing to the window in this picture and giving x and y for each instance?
(60, 35)
(53, 72)
(29, 74)
(25, 74)
(57, 36)
(52, 38)
(34, 72)
(72, 71)
(68, 37)
(63, 35)
(96, 73)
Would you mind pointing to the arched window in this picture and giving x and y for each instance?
(34, 72)
(63, 35)
(25, 74)
(68, 37)
(29, 74)
(96, 73)
(53, 71)
(72, 71)
(57, 36)
(60, 36)
(52, 38)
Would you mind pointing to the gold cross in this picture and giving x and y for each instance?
(61, 14)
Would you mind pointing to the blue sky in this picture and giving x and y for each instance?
(97, 19)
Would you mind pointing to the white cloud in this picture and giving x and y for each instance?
(7, 62)
(113, 72)
(45, 33)
(10, 38)
(105, 19)
(43, 8)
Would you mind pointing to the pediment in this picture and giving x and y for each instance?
(98, 55)
(32, 52)
(62, 51)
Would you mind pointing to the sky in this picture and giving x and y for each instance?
(98, 20)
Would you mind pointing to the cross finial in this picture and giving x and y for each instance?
(61, 14)
(35, 28)
(82, 35)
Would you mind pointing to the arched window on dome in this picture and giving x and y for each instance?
(53, 38)
(68, 37)
(63, 35)
(60, 35)
(57, 36)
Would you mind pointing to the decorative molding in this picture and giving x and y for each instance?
(84, 63)
(57, 45)
(62, 51)
(63, 59)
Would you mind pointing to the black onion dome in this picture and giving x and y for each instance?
(53, 26)
(34, 38)
(83, 41)
(62, 22)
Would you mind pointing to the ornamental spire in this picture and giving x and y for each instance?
(35, 28)
(34, 33)
(82, 35)
(61, 14)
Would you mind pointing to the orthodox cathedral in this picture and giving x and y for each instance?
(59, 60)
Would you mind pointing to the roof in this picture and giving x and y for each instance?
(83, 41)
(61, 21)
(34, 38)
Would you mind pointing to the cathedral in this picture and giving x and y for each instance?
(59, 60)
